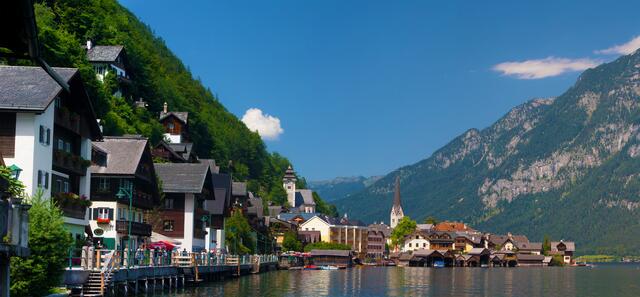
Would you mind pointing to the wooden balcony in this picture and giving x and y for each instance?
(140, 229)
(67, 119)
(68, 162)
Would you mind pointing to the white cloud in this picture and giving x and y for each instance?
(266, 125)
(541, 68)
(622, 49)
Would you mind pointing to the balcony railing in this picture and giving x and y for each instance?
(68, 119)
(140, 229)
(72, 205)
(73, 163)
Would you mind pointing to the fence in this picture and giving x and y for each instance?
(95, 259)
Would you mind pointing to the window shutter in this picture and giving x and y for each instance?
(46, 180)
(41, 134)
(110, 213)
(95, 213)
(48, 136)
(39, 178)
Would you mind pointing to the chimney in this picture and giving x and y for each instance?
(89, 44)
(165, 107)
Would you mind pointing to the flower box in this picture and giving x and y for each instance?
(103, 220)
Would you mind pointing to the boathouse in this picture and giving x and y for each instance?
(340, 258)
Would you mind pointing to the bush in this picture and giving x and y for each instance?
(49, 242)
(326, 246)
(291, 242)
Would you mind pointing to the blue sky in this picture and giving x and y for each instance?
(364, 87)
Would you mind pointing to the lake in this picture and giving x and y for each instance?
(603, 280)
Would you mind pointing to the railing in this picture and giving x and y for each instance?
(100, 260)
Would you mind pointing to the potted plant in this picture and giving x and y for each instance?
(103, 220)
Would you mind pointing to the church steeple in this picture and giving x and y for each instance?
(396, 210)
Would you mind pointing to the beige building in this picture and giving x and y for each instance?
(350, 232)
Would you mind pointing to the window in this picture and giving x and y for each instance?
(168, 203)
(103, 184)
(66, 187)
(68, 147)
(60, 145)
(103, 213)
(168, 225)
(409, 244)
(59, 187)
(121, 214)
(424, 244)
(171, 126)
(43, 179)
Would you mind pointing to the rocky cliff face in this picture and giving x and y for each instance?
(566, 166)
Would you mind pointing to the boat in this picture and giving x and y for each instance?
(328, 267)
(438, 264)
(311, 267)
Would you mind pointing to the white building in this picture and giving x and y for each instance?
(47, 133)
(416, 241)
(350, 232)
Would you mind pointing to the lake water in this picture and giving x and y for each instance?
(603, 280)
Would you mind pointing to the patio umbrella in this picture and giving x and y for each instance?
(162, 245)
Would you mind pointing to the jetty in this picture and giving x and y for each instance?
(111, 273)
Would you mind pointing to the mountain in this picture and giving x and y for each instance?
(567, 167)
(341, 187)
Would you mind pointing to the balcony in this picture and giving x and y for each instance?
(68, 119)
(72, 205)
(70, 162)
(140, 229)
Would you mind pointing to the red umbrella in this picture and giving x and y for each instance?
(162, 245)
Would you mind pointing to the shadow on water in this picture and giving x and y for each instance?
(604, 280)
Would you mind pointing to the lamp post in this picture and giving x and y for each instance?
(128, 192)
(15, 171)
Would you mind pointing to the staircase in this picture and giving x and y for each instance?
(94, 285)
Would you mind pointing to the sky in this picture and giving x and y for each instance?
(345, 88)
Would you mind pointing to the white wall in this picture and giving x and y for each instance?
(291, 192)
(416, 244)
(317, 224)
(30, 155)
(189, 213)
(173, 138)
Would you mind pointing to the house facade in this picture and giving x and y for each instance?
(122, 166)
(186, 187)
(564, 249)
(175, 125)
(350, 232)
(107, 59)
(47, 133)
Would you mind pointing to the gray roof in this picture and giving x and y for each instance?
(212, 165)
(288, 216)
(256, 207)
(571, 246)
(341, 221)
(123, 154)
(336, 253)
(181, 115)
(479, 251)
(424, 227)
(30, 88)
(216, 206)
(183, 149)
(239, 189)
(385, 229)
(529, 246)
(182, 177)
(104, 53)
(527, 257)
(304, 196)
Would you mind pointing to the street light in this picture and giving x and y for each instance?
(128, 192)
(15, 171)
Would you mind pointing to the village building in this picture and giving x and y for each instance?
(466, 241)
(339, 230)
(299, 200)
(505, 242)
(429, 258)
(175, 125)
(532, 248)
(379, 236)
(107, 59)
(452, 227)
(219, 208)
(124, 190)
(396, 210)
(416, 241)
(46, 134)
(530, 260)
(564, 249)
(186, 187)
(424, 227)
(175, 152)
(442, 240)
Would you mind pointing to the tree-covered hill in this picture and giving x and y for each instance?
(157, 76)
(568, 167)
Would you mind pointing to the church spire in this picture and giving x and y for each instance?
(396, 196)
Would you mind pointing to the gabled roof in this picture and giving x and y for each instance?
(215, 169)
(170, 149)
(479, 251)
(288, 216)
(571, 246)
(424, 227)
(183, 149)
(529, 246)
(30, 88)
(304, 196)
(385, 229)
(182, 177)
(452, 226)
(334, 253)
(183, 116)
(123, 154)
(104, 53)
(528, 257)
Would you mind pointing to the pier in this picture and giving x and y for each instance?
(110, 273)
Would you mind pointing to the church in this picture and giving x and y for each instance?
(298, 200)
(396, 210)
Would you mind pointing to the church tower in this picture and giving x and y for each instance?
(289, 184)
(396, 210)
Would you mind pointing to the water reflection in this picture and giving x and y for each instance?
(604, 280)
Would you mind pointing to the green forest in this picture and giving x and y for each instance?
(157, 76)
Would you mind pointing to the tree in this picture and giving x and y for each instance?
(405, 227)
(546, 245)
(291, 242)
(431, 220)
(49, 242)
(238, 232)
